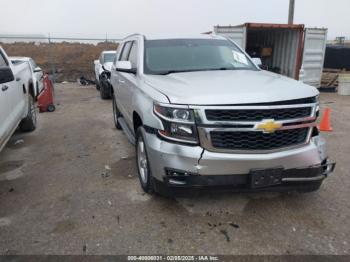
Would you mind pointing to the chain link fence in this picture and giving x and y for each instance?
(63, 58)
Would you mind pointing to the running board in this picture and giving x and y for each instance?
(126, 130)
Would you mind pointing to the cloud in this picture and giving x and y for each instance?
(116, 18)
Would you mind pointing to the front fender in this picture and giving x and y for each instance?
(143, 100)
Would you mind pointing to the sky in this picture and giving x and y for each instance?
(119, 18)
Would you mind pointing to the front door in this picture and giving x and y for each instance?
(5, 123)
(130, 83)
(16, 96)
(120, 83)
(5, 108)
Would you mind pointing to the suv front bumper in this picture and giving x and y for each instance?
(179, 165)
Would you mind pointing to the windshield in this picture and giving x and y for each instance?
(109, 57)
(185, 55)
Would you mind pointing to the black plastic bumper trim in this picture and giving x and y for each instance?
(295, 176)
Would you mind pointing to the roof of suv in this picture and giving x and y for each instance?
(162, 37)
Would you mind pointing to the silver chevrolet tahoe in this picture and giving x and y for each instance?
(202, 114)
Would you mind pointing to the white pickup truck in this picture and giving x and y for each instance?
(103, 73)
(17, 94)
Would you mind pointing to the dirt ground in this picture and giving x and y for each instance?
(71, 187)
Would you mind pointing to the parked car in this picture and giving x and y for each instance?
(36, 71)
(103, 72)
(17, 96)
(201, 113)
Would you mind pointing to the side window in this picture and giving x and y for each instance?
(2, 61)
(133, 55)
(125, 52)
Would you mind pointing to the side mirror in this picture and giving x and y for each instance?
(125, 66)
(37, 70)
(6, 75)
(257, 61)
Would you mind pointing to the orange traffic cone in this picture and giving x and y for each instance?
(325, 124)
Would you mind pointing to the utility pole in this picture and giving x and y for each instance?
(291, 12)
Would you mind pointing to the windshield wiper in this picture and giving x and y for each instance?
(176, 71)
(194, 70)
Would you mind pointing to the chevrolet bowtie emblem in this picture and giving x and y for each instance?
(268, 126)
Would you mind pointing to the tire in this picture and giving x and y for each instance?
(142, 162)
(116, 114)
(28, 124)
(104, 93)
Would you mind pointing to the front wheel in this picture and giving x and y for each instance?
(104, 92)
(28, 124)
(104, 87)
(143, 167)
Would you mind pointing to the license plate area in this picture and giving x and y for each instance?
(260, 178)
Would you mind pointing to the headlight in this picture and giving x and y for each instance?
(178, 122)
(174, 114)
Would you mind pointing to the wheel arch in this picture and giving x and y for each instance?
(137, 121)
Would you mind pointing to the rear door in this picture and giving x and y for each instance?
(238, 34)
(313, 57)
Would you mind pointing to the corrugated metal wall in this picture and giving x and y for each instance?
(285, 47)
(236, 34)
(313, 57)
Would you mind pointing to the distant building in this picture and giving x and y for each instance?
(340, 40)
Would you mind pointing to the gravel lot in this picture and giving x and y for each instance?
(57, 197)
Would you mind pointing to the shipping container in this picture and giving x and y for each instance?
(285, 49)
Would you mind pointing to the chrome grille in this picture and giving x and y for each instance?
(238, 128)
(258, 140)
(257, 114)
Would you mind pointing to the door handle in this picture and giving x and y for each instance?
(121, 81)
(4, 88)
(18, 79)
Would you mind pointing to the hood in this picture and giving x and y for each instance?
(108, 66)
(228, 87)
